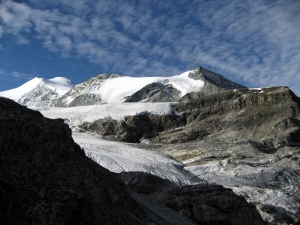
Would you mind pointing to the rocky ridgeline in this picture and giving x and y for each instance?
(46, 178)
(267, 118)
(213, 83)
(97, 90)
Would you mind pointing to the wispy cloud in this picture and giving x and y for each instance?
(13, 76)
(253, 42)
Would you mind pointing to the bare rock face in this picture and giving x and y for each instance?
(45, 178)
(155, 92)
(268, 117)
(134, 128)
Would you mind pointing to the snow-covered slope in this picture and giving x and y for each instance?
(109, 88)
(39, 92)
(112, 88)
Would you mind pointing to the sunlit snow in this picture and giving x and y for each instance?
(60, 84)
(114, 90)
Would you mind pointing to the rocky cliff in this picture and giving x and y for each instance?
(268, 118)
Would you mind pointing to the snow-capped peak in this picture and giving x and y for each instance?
(113, 88)
(39, 92)
(18, 92)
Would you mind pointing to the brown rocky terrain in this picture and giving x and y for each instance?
(267, 118)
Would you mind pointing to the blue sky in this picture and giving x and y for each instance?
(254, 43)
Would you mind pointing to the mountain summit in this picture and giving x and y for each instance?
(108, 88)
(39, 92)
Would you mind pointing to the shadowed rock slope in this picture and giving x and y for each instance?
(45, 178)
(203, 203)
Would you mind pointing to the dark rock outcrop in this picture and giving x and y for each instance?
(134, 127)
(269, 116)
(45, 178)
(155, 92)
(203, 203)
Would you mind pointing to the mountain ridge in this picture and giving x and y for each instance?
(108, 88)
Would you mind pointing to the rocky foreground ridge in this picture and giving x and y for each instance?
(248, 140)
(45, 178)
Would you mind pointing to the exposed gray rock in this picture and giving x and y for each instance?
(136, 127)
(155, 92)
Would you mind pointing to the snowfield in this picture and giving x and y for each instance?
(75, 116)
(114, 90)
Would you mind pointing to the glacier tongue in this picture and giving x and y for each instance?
(118, 157)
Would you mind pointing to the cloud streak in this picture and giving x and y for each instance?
(255, 43)
(14, 76)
